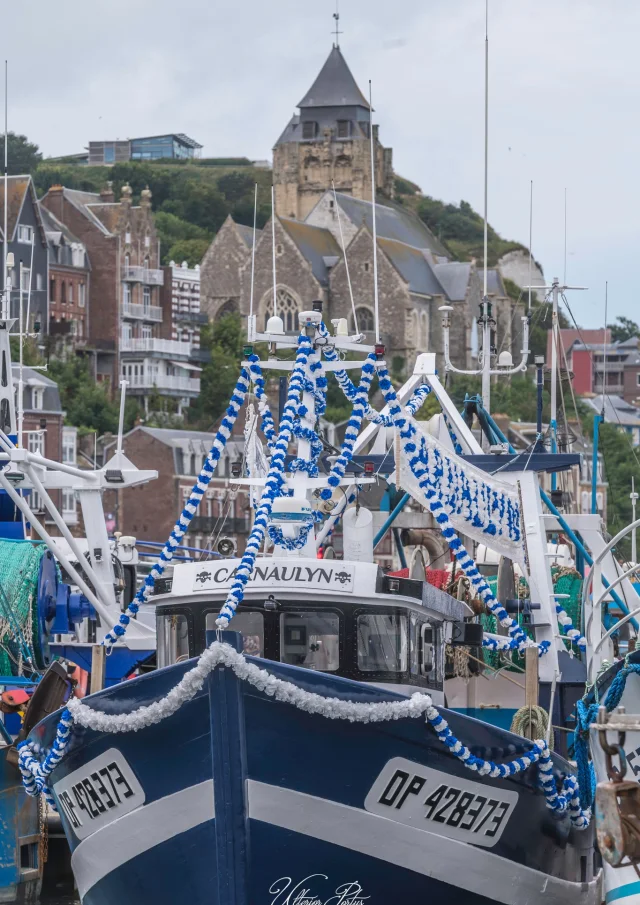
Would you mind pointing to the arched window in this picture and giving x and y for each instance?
(366, 321)
(287, 307)
(229, 307)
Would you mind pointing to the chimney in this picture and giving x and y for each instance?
(106, 194)
(55, 201)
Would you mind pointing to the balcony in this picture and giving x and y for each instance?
(142, 312)
(185, 386)
(170, 347)
(145, 275)
(191, 317)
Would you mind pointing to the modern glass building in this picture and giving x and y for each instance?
(177, 147)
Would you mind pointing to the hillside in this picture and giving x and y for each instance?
(192, 200)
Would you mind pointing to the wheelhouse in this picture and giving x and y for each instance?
(395, 636)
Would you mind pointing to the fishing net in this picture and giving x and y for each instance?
(19, 632)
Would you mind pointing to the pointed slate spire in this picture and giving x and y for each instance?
(334, 86)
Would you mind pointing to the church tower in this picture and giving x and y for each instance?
(328, 141)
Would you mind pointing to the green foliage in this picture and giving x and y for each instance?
(235, 186)
(190, 250)
(516, 398)
(624, 329)
(30, 354)
(405, 186)
(462, 230)
(23, 155)
(86, 402)
(224, 339)
(620, 465)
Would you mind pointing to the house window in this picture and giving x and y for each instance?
(37, 398)
(638, 379)
(127, 331)
(52, 290)
(63, 293)
(25, 234)
(68, 505)
(39, 282)
(147, 331)
(80, 328)
(82, 295)
(69, 438)
(25, 278)
(35, 442)
(71, 293)
(126, 293)
(344, 128)
(146, 298)
(309, 130)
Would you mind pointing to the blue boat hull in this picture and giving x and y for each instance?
(240, 800)
(20, 848)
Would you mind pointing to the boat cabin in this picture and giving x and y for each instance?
(348, 619)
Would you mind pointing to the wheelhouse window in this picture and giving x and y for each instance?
(173, 638)
(310, 639)
(251, 627)
(382, 642)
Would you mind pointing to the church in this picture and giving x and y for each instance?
(322, 178)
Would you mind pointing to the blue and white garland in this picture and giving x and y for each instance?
(431, 479)
(273, 485)
(36, 773)
(572, 633)
(182, 524)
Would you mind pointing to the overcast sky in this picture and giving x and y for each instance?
(564, 96)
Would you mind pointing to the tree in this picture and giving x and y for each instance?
(190, 250)
(235, 186)
(23, 155)
(224, 339)
(624, 329)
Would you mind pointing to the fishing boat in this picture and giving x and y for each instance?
(297, 748)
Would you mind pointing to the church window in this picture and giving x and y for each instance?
(344, 128)
(309, 130)
(366, 267)
(279, 250)
(366, 323)
(287, 309)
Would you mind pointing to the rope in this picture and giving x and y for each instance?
(532, 722)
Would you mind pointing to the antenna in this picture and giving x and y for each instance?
(337, 32)
(373, 212)
(604, 346)
(123, 396)
(253, 256)
(344, 254)
(565, 239)
(530, 242)
(273, 248)
(5, 307)
(486, 311)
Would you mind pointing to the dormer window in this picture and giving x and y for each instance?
(344, 128)
(25, 234)
(309, 130)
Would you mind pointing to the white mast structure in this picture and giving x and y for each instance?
(505, 360)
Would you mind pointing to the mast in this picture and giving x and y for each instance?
(373, 217)
(5, 301)
(486, 318)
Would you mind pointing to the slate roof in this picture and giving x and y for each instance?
(246, 234)
(18, 186)
(616, 410)
(314, 243)
(495, 286)
(413, 267)
(51, 399)
(335, 86)
(454, 277)
(392, 222)
(59, 239)
(185, 443)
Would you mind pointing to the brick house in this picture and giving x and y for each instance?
(28, 243)
(128, 326)
(69, 282)
(44, 432)
(149, 512)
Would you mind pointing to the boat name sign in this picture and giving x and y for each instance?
(272, 574)
(97, 793)
(431, 800)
